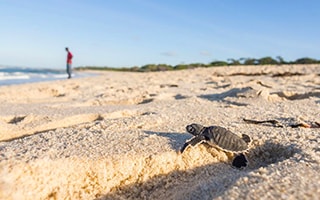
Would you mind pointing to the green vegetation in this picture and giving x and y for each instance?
(230, 62)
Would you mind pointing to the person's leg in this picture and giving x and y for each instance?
(69, 70)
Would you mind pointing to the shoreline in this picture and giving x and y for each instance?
(19, 78)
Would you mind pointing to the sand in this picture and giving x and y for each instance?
(118, 135)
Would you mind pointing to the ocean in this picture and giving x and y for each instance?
(21, 75)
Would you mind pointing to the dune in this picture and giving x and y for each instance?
(118, 135)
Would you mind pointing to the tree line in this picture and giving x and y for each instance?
(230, 62)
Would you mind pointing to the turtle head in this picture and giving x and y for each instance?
(194, 129)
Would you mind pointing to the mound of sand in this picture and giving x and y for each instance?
(118, 135)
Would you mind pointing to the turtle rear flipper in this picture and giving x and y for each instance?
(246, 138)
(240, 161)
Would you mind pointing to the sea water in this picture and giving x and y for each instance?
(20, 75)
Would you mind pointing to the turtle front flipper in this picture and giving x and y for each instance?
(184, 147)
(193, 142)
(240, 161)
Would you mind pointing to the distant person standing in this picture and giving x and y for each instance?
(69, 62)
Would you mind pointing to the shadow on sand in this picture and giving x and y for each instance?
(204, 182)
(176, 140)
(235, 92)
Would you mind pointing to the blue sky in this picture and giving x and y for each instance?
(126, 33)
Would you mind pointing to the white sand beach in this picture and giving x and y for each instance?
(118, 135)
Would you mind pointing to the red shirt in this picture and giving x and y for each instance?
(69, 57)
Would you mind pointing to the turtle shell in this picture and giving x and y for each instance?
(221, 138)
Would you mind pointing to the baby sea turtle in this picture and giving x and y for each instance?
(221, 138)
